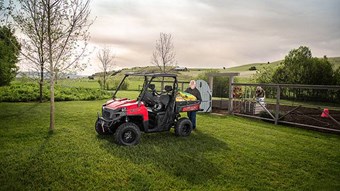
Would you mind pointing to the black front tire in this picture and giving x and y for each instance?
(127, 134)
(183, 127)
(102, 130)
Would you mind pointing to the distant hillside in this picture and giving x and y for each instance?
(333, 60)
(258, 66)
(193, 73)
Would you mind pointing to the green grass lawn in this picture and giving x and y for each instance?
(225, 153)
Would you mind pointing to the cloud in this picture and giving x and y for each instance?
(216, 33)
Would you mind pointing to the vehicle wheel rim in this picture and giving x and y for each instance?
(186, 129)
(129, 136)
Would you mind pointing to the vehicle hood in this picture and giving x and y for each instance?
(120, 103)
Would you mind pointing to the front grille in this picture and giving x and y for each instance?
(110, 114)
(107, 114)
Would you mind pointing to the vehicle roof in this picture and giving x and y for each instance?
(150, 74)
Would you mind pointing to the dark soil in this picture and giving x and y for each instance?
(302, 115)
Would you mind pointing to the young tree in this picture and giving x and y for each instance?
(106, 58)
(31, 20)
(164, 55)
(9, 53)
(65, 36)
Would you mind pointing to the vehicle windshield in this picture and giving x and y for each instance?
(133, 86)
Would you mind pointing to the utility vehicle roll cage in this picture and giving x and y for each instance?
(148, 77)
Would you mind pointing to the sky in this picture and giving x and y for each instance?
(213, 33)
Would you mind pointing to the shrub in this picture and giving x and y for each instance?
(30, 92)
(253, 68)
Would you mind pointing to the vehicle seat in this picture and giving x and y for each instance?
(149, 96)
(168, 89)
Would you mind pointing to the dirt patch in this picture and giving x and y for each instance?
(303, 115)
(309, 116)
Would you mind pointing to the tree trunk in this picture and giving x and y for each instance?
(52, 71)
(104, 80)
(41, 84)
(52, 107)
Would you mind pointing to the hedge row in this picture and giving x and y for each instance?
(30, 92)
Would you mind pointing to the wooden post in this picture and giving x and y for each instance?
(277, 109)
(230, 103)
(211, 80)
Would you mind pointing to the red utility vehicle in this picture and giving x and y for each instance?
(152, 111)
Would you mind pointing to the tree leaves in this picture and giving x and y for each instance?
(8, 55)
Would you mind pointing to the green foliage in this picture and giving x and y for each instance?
(224, 153)
(30, 92)
(252, 68)
(336, 76)
(299, 67)
(264, 75)
(9, 52)
(221, 84)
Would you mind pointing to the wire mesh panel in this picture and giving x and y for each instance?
(295, 104)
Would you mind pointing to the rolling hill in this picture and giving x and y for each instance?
(333, 60)
(245, 73)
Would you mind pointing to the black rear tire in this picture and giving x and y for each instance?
(102, 130)
(183, 127)
(127, 134)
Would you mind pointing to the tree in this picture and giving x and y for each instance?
(295, 64)
(299, 67)
(106, 59)
(164, 55)
(65, 37)
(31, 20)
(264, 75)
(9, 53)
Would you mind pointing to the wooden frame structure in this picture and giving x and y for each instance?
(276, 119)
(231, 77)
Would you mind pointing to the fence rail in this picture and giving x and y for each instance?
(277, 106)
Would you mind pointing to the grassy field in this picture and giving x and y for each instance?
(193, 73)
(82, 82)
(225, 153)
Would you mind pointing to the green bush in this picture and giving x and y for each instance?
(252, 68)
(30, 92)
(221, 84)
(299, 67)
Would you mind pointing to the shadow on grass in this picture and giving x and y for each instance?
(19, 112)
(34, 162)
(186, 158)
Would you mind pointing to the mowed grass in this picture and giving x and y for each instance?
(225, 153)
